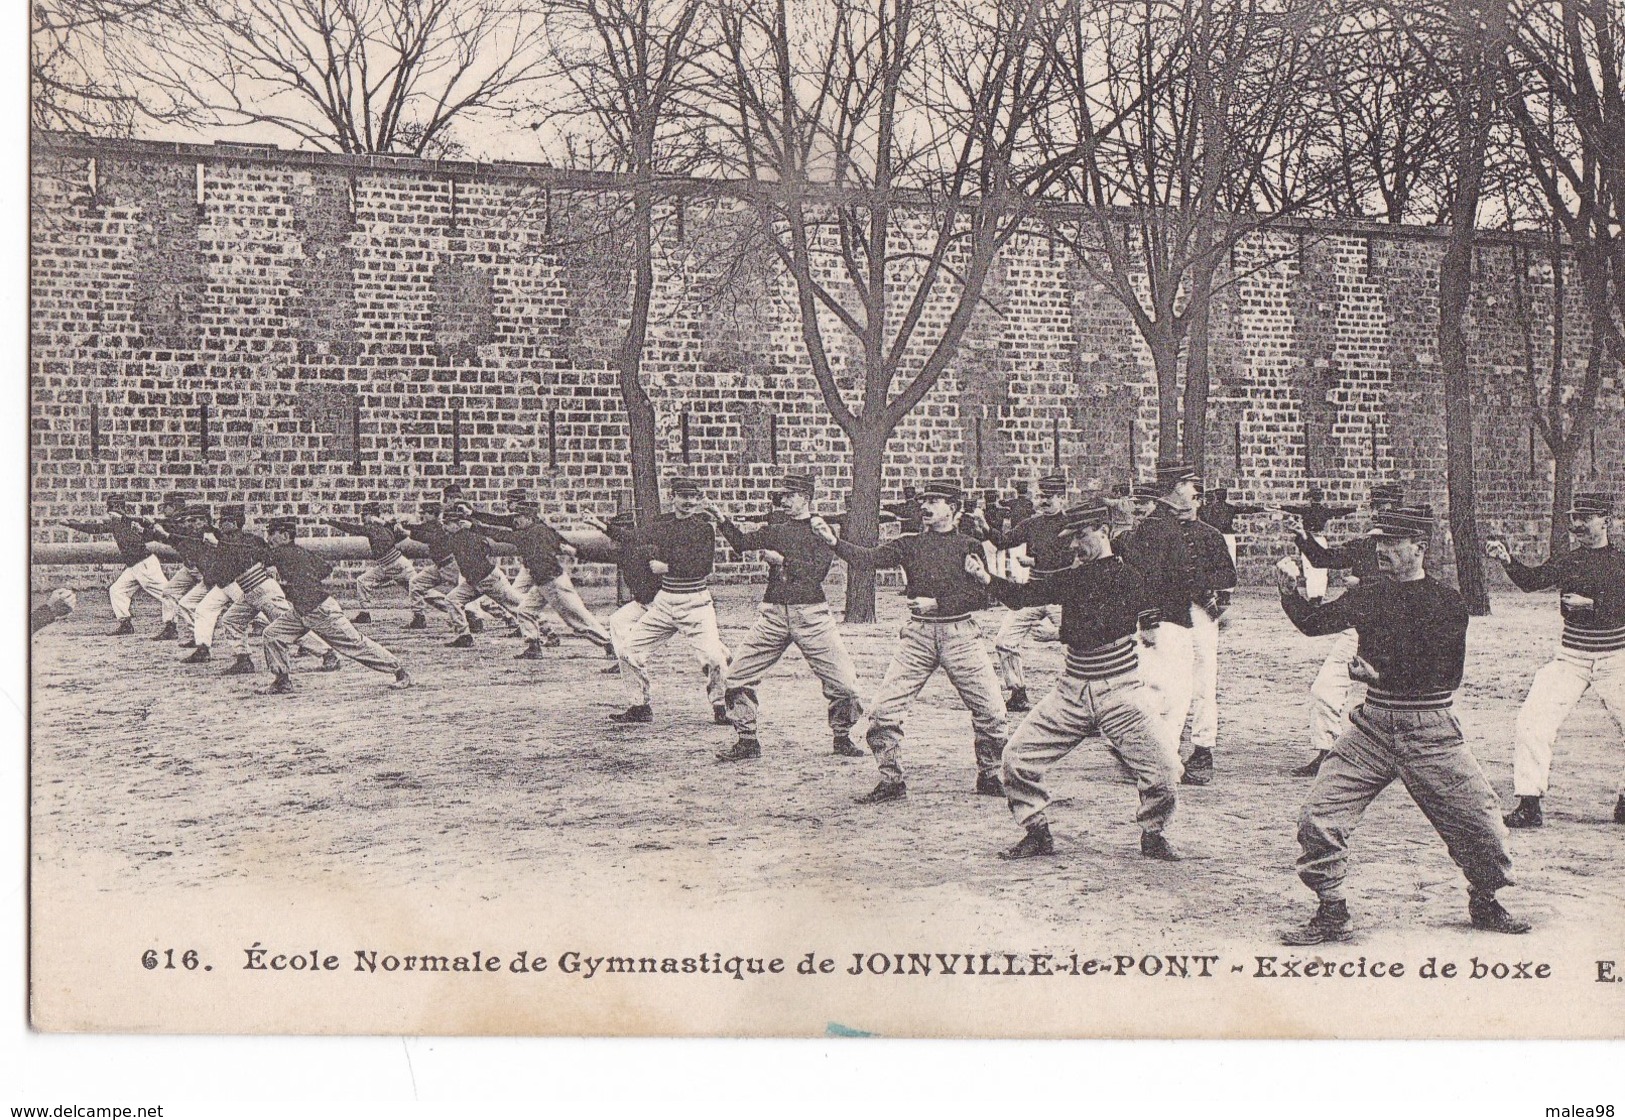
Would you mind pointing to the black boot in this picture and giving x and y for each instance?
(1330, 923)
(476, 625)
(1199, 770)
(361, 616)
(637, 713)
(167, 634)
(1488, 914)
(1526, 815)
(199, 655)
(1018, 701)
(746, 748)
(330, 662)
(462, 641)
(418, 623)
(988, 785)
(1037, 842)
(280, 685)
(242, 667)
(885, 791)
(1619, 810)
(403, 679)
(846, 748)
(719, 714)
(1154, 845)
(125, 626)
(531, 652)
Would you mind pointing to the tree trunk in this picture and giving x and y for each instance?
(863, 518)
(1199, 312)
(640, 414)
(1563, 457)
(1473, 96)
(1455, 284)
(1165, 358)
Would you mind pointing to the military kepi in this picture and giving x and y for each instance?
(945, 489)
(1170, 475)
(1408, 522)
(1591, 505)
(1052, 484)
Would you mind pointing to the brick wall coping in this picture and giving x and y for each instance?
(74, 144)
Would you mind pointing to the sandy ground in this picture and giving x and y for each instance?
(505, 779)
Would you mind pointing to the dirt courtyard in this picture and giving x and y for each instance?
(509, 772)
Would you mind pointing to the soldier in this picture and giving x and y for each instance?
(680, 548)
(227, 556)
(312, 607)
(424, 588)
(538, 546)
(478, 576)
(907, 511)
(793, 612)
(254, 592)
(181, 528)
(557, 591)
(1332, 687)
(1041, 534)
(451, 495)
(1590, 579)
(632, 569)
(1102, 601)
(1019, 506)
(1218, 512)
(1412, 646)
(387, 565)
(1158, 549)
(1315, 516)
(1215, 579)
(182, 579)
(940, 633)
(142, 568)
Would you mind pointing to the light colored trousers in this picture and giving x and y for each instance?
(1168, 671)
(175, 592)
(1230, 543)
(560, 594)
(1118, 709)
(693, 615)
(923, 648)
(810, 627)
(1017, 627)
(1329, 695)
(1315, 580)
(376, 576)
(332, 627)
(424, 591)
(1425, 750)
(497, 588)
(146, 576)
(206, 614)
(621, 626)
(268, 599)
(1557, 687)
(1204, 711)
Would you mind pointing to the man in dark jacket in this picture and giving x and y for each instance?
(142, 569)
(794, 612)
(386, 564)
(940, 634)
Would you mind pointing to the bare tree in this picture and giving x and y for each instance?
(630, 67)
(350, 75)
(1564, 410)
(1386, 119)
(1563, 89)
(83, 56)
(1465, 41)
(891, 142)
(1199, 119)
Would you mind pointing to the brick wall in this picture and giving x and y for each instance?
(306, 332)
